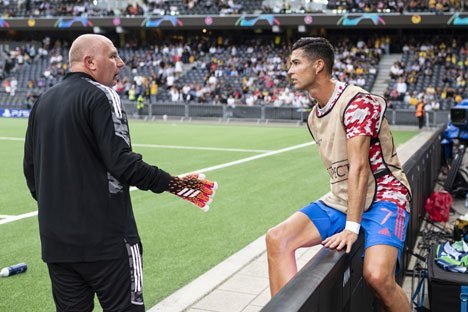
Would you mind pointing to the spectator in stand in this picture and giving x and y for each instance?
(413, 101)
(13, 86)
(6, 86)
(461, 80)
(459, 95)
(186, 93)
(401, 88)
(250, 99)
(132, 93)
(175, 94)
(394, 95)
(396, 71)
(189, 3)
(430, 93)
(134, 9)
(31, 99)
(153, 90)
(178, 68)
(119, 87)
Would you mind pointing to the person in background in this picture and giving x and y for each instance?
(140, 105)
(420, 112)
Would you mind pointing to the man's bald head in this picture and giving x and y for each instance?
(85, 45)
(96, 56)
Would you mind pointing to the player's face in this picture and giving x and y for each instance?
(300, 72)
(108, 64)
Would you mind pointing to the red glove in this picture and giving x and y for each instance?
(194, 188)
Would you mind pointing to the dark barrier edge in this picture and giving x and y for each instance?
(412, 161)
(299, 289)
(415, 167)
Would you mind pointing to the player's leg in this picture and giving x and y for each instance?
(70, 292)
(385, 226)
(119, 283)
(379, 272)
(305, 228)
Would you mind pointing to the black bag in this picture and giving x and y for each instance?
(448, 291)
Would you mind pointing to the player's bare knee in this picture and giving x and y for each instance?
(276, 240)
(379, 280)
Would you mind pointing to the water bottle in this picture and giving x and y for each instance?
(14, 269)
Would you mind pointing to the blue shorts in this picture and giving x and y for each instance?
(383, 224)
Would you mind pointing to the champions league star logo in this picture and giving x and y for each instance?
(356, 20)
(457, 20)
(245, 21)
(156, 22)
(4, 24)
(67, 23)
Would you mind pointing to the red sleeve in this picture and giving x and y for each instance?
(362, 117)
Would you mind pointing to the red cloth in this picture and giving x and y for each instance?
(438, 206)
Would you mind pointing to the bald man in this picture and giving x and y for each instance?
(79, 164)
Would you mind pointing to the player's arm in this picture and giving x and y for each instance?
(114, 148)
(28, 162)
(130, 169)
(358, 153)
(358, 156)
(362, 121)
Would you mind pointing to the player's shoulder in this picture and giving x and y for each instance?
(366, 99)
(101, 92)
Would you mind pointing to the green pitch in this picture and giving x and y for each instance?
(180, 242)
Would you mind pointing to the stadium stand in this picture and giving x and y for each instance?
(252, 73)
(433, 71)
(233, 68)
(34, 8)
(366, 6)
(26, 8)
(38, 8)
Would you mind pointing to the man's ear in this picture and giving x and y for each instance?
(319, 66)
(89, 62)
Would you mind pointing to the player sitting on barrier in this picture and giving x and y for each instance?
(368, 186)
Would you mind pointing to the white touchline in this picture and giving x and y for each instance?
(213, 168)
(201, 148)
(243, 160)
(19, 217)
(11, 139)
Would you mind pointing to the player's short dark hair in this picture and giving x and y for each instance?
(317, 48)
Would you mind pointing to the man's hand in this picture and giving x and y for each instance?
(194, 188)
(339, 240)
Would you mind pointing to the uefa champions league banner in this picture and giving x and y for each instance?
(347, 20)
(14, 113)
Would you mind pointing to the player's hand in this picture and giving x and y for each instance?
(194, 188)
(340, 240)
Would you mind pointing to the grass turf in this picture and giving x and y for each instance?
(180, 242)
